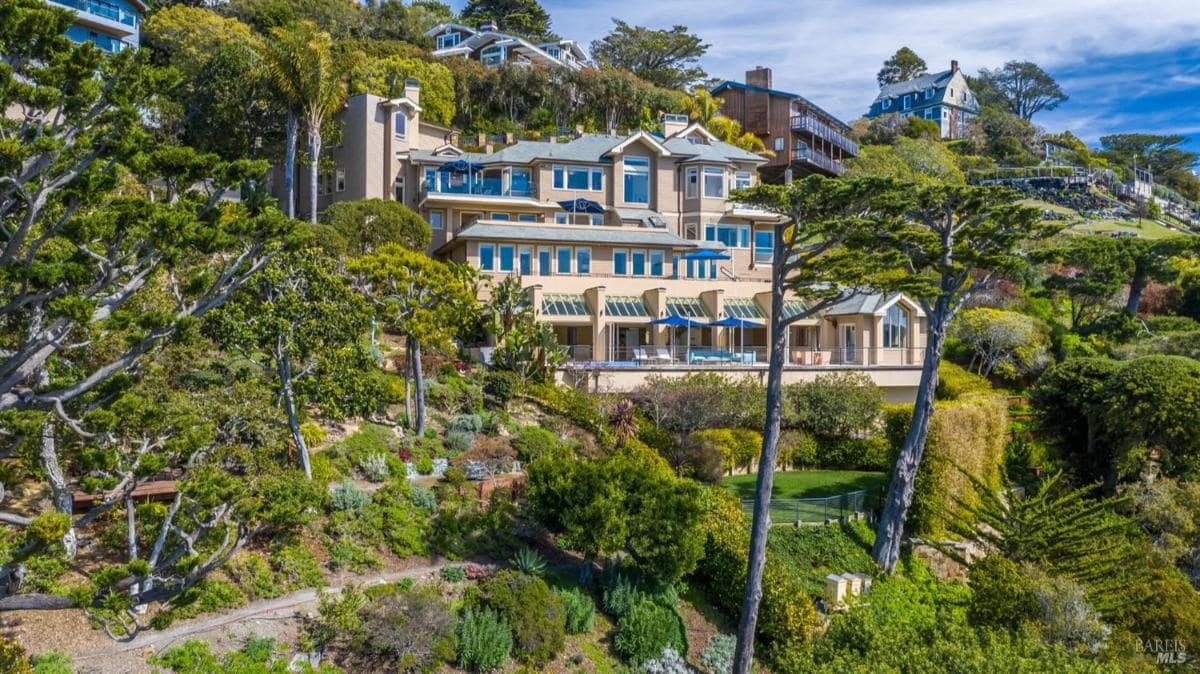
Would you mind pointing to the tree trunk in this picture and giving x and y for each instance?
(743, 658)
(131, 535)
(418, 383)
(1136, 287)
(314, 156)
(289, 165)
(904, 473)
(408, 371)
(585, 570)
(60, 493)
(289, 402)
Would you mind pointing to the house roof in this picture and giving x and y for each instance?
(478, 39)
(729, 84)
(541, 232)
(869, 303)
(595, 148)
(921, 83)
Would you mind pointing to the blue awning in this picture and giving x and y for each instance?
(678, 322)
(581, 206)
(460, 166)
(707, 254)
(734, 322)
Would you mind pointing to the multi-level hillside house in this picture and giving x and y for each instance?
(111, 25)
(627, 244)
(943, 97)
(804, 138)
(491, 47)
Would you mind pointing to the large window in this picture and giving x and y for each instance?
(895, 327)
(544, 266)
(578, 219)
(733, 236)
(620, 262)
(656, 263)
(584, 178)
(583, 260)
(525, 260)
(692, 179)
(637, 180)
(742, 180)
(506, 258)
(487, 256)
(518, 184)
(564, 260)
(714, 182)
(492, 56)
(447, 41)
(639, 263)
(764, 246)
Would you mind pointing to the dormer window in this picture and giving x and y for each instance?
(447, 41)
(887, 103)
(907, 101)
(399, 124)
(928, 94)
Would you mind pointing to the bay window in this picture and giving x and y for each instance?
(742, 180)
(714, 182)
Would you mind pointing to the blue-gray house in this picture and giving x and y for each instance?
(111, 25)
(943, 97)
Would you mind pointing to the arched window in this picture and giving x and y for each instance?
(398, 188)
(895, 327)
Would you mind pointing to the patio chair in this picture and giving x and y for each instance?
(640, 356)
(664, 354)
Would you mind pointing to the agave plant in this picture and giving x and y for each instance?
(528, 561)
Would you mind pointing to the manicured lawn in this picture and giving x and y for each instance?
(1147, 229)
(809, 483)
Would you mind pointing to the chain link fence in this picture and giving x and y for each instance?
(798, 511)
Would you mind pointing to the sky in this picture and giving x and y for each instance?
(1127, 65)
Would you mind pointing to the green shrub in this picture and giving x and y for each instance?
(471, 423)
(296, 567)
(484, 641)
(413, 629)
(454, 574)
(530, 442)
(207, 596)
(375, 467)
(424, 465)
(454, 394)
(312, 433)
(253, 576)
(872, 453)
(717, 657)
(532, 610)
(527, 560)
(579, 610)
(53, 662)
(797, 449)
(834, 404)
(13, 658)
(348, 497)
(1001, 594)
(347, 553)
(1157, 324)
(500, 387)
(808, 554)
(646, 630)
(459, 441)
(954, 382)
(403, 527)
(423, 498)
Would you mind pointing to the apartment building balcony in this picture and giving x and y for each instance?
(484, 187)
(813, 125)
(104, 16)
(811, 157)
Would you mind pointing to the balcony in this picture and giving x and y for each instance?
(477, 186)
(103, 15)
(694, 357)
(807, 155)
(814, 126)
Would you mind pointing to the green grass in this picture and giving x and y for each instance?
(1147, 229)
(809, 483)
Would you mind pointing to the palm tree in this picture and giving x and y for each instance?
(312, 81)
(702, 106)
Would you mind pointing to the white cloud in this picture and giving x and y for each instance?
(830, 50)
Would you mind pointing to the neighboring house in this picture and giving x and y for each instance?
(491, 47)
(609, 234)
(111, 25)
(804, 138)
(943, 97)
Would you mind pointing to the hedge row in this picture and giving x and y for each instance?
(965, 434)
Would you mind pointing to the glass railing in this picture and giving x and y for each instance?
(489, 187)
(683, 356)
(816, 127)
(101, 9)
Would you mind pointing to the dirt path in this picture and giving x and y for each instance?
(277, 618)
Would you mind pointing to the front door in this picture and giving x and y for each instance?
(849, 344)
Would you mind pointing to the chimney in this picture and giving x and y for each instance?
(759, 77)
(673, 124)
(489, 27)
(954, 66)
(412, 90)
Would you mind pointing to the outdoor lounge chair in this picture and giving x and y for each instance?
(640, 356)
(664, 354)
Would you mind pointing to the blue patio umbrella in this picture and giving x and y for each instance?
(734, 322)
(581, 205)
(679, 322)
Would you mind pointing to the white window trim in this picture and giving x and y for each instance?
(591, 170)
(441, 220)
(691, 182)
(582, 249)
(713, 170)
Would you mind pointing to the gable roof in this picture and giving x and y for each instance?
(729, 84)
(928, 81)
(870, 303)
(478, 39)
(596, 148)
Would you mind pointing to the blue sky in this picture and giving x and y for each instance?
(1128, 65)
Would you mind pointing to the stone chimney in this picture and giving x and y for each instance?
(489, 27)
(954, 66)
(759, 77)
(673, 124)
